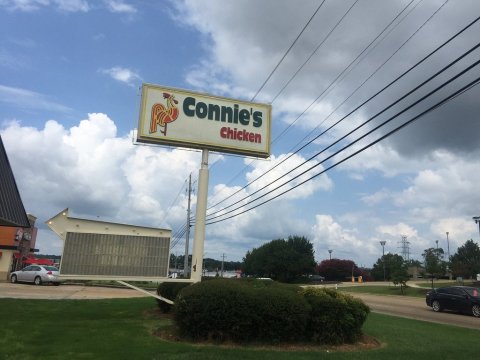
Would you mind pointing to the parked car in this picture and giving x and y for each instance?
(465, 299)
(36, 274)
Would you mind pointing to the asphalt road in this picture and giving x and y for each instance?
(409, 307)
(415, 308)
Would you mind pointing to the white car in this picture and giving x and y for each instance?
(36, 274)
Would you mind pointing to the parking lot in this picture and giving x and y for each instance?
(64, 291)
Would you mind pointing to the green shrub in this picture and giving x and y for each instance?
(241, 311)
(335, 318)
(250, 310)
(169, 290)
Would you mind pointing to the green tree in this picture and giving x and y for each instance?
(400, 275)
(393, 263)
(412, 262)
(339, 270)
(433, 261)
(282, 260)
(466, 261)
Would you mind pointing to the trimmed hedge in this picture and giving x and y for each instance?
(241, 311)
(335, 318)
(169, 290)
(267, 312)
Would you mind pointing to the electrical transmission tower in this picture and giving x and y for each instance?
(405, 248)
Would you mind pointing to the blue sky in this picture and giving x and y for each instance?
(70, 73)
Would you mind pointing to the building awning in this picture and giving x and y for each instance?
(32, 260)
(29, 260)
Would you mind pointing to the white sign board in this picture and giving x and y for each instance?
(187, 119)
(99, 250)
(122, 256)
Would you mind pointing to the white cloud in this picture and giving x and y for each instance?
(33, 5)
(117, 6)
(328, 234)
(323, 182)
(23, 5)
(397, 230)
(11, 61)
(121, 74)
(376, 197)
(95, 173)
(459, 231)
(30, 100)
(72, 5)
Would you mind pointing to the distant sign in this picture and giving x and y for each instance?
(188, 119)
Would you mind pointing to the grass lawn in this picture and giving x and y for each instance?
(385, 290)
(440, 283)
(123, 329)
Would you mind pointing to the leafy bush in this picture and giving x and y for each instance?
(335, 318)
(266, 311)
(169, 290)
(241, 311)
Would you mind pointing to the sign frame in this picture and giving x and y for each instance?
(213, 123)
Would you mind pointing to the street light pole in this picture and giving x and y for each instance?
(383, 242)
(448, 248)
(330, 252)
(448, 259)
(477, 221)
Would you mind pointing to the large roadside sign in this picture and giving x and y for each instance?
(183, 118)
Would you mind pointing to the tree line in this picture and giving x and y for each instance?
(292, 259)
(464, 263)
(209, 264)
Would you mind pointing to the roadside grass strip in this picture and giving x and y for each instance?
(125, 329)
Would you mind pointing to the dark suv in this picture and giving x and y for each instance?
(464, 299)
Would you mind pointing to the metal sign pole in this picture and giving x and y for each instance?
(200, 215)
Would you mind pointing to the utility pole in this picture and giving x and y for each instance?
(187, 234)
(223, 259)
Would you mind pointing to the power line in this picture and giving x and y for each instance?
(177, 236)
(357, 107)
(353, 61)
(350, 68)
(334, 81)
(301, 67)
(173, 202)
(288, 50)
(448, 98)
(451, 97)
(371, 75)
(314, 51)
(372, 118)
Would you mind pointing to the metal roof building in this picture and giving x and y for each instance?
(12, 211)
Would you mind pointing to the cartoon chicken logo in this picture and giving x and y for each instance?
(162, 115)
